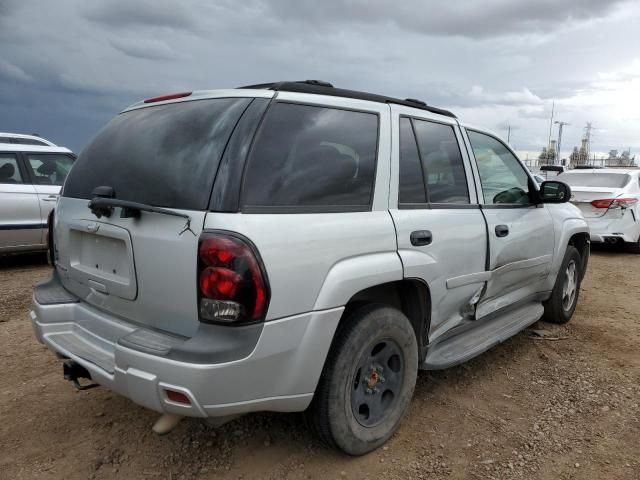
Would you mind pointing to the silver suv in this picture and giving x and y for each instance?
(294, 246)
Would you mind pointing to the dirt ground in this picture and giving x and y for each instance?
(561, 407)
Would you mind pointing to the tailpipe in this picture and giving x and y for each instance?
(611, 240)
(166, 423)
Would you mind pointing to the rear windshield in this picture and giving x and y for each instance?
(165, 156)
(605, 180)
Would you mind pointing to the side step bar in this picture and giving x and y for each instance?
(472, 342)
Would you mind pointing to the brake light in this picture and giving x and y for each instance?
(232, 285)
(171, 96)
(614, 202)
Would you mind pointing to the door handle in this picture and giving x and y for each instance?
(502, 230)
(420, 238)
(48, 199)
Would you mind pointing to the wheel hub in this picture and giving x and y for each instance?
(377, 382)
(373, 378)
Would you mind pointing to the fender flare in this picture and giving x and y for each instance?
(351, 275)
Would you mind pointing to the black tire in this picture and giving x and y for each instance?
(560, 306)
(389, 375)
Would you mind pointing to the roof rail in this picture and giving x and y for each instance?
(320, 87)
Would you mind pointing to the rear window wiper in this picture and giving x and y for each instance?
(103, 207)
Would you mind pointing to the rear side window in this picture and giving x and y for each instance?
(49, 169)
(166, 155)
(442, 162)
(9, 172)
(411, 189)
(310, 158)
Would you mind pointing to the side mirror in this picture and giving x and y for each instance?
(554, 192)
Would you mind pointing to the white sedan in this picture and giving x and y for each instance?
(610, 202)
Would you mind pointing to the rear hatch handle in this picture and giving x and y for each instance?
(101, 206)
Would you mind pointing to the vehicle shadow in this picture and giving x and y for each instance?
(607, 249)
(31, 259)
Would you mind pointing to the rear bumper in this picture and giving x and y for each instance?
(621, 228)
(222, 370)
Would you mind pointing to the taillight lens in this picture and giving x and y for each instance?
(232, 285)
(614, 202)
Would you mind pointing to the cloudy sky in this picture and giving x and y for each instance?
(68, 66)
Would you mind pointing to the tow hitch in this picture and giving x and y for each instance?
(73, 371)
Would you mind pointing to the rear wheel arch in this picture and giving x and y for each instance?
(580, 241)
(411, 296)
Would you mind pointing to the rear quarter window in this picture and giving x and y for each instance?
(312, 159)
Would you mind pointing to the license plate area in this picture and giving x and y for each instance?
(101, 257)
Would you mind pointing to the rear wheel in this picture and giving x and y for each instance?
(564, 297)
(367, 382)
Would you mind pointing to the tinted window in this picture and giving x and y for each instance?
(503, 178)
(9, 172)
(607, 180)
(306, 156)
(49, 169)
(5, 140)
(411, 189)
(165, 155)
(442, 163)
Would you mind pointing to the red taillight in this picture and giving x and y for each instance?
(232, 285)
(614, 202)
(605, 203)
(171, 96)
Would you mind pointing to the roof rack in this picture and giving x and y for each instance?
(320, 87)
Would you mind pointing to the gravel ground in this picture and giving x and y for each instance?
(565, 406)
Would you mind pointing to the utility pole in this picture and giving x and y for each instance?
(509, 134)
(553, 106)
(560, 125)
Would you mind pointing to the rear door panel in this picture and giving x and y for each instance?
(453, 264)
(20, 222)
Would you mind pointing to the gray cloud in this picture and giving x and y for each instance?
(12, 72)
(140, 47)
(67, 66)
(466, 18)
(126, 13)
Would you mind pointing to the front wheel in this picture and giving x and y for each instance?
(560, 306)
(367, 382)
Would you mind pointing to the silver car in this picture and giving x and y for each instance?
(294, 246)
(30, 180)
